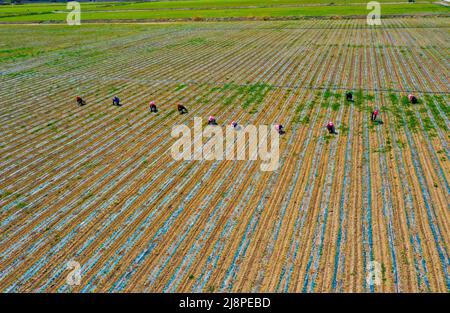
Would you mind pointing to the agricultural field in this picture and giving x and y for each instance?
(213, 10)
(97, 184)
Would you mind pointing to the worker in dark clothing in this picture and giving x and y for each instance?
(349, 96)
(212, 120)
(279, 128)
(116, 101)
(153, 107)
(331, 128)
(412, 98)
(374, 115)
(80, 101)
(182, 109)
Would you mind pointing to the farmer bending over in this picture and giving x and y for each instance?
(279, 128)
(331, 129)
(182, 109)
(80, 101)
(374, 115)
(153, 107)
(212, 120)
(116, 101)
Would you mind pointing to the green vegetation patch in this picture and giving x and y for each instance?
(429, 100)
(249, 95)
(209, 9)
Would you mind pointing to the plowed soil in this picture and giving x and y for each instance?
(97, 184)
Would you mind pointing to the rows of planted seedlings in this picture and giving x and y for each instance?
(429, 129)
(286, 201)
(298, 116)
(412, 195)
(138, 64)
(383, 146)
(193, 112)
(413, 237)
(51, 83)
(96, 184)
(138, 125)
(221, 243)
(348, 193)
(176, 276)
(113, 183)
(366, 183)
(316, 83)
(426, 131)
(331, 180)
(75, 135)
(217, 252)
(419, 174)
(327, 69)
(166, 199)
(157, 270)
(112, 65)
(211, 222)
(245, 242)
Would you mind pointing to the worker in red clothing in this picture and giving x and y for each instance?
(212, 120)
(374, 115)
(80, 101)
(279, 128)
(331, 128)
(153, 107)
(412, 98)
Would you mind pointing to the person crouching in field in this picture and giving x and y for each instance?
(374, 115)
(182, 109)
(80, 101)
(279, 128)
(412, 98)
(349, 96)
(153, 107)
(331, 128)
(116, 101)
(212, 120)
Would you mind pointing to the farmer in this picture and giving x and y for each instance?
(182, 109)
(116, 101)
(412, 98)
(349, 96)
(153, 107)
(80, 101)
(212, 120)
(330, 127)
(279, 128)
(374, 115)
